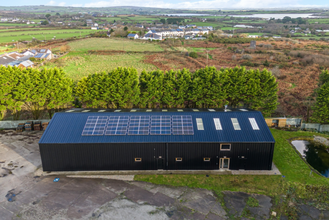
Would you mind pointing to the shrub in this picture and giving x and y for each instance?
(246, 57)
(268, 46)
(193, 55)
(266, 63)
(276, 71)
(248, 63)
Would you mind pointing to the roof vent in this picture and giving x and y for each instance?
(118, 110)
(164, 110)
(244, 110)
(148, 110)
(180, 110)
(101, 110)
(133, 110)
(211, 110)
(86, 111)
(70, 110)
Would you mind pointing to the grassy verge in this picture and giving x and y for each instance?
(296, 174)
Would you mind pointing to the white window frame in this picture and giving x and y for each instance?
(199, 124)
(225, 149)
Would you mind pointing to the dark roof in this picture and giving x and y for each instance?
(4, 60)
(132, 35)
(67, 127)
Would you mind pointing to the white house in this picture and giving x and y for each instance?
(151, 36)
(133, 36)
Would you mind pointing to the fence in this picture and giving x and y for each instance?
(315, 126)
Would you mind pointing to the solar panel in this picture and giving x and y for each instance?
(42, 50)
(182, 125)
(160, 125)
(117, 125)
(94, 126)
(139, 125)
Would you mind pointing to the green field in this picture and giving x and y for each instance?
(113, 44)
(319, 20)
(14, 24)
(77, 64)
(229, 28)
(6, 37)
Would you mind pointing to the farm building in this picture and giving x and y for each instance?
(157, 139)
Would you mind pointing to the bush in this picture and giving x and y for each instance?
(266, 63)
(248, 63)
(276, 72)
(193, 55)
(268, 46)
(246, 57)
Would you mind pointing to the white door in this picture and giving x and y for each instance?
(224, 163)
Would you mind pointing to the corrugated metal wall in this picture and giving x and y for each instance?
(78, 157)
(75, 157)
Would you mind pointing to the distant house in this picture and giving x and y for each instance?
(133, 36)
(243, 26)
(95, 25)
(150, 36)
(4, 60)
(4, 19)
(94, 28)
(140, 26)
(253, 36)
(188, 37)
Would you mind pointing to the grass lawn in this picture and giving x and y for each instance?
(198, 49)
(229, 28)
(42, 34)
(296, 173)
(77, 64)
(114, 44)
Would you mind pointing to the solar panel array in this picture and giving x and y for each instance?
(139, 125)
(39, 55)
(182, 125)
(117, 125)
(160, 125)
(95, 126)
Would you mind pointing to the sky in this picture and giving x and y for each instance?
(188, 4)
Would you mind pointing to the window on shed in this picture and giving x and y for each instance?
(253, 123)
(199, 124)
(225, 147)
(179, 159)
(138, 159)
(206, 159)
(218, 125)
(235, 123)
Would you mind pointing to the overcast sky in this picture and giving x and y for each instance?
(196, 4)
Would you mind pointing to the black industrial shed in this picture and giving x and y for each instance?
(157, 139)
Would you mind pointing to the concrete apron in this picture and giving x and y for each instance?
(128, 174)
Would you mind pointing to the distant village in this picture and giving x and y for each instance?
(24, 59)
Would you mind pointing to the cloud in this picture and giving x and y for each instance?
(61, 4)
(51, 3)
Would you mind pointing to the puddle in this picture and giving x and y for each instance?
(315, 154)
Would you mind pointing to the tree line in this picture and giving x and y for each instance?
(50, 89)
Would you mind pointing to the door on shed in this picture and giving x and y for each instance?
(224, 163)
(160, 163)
